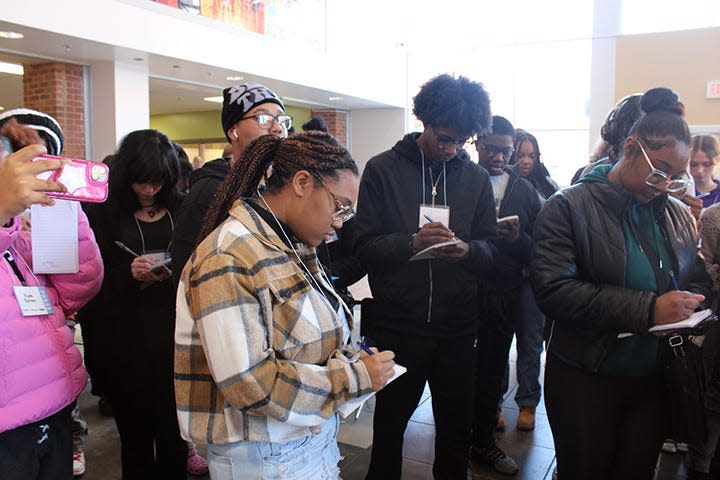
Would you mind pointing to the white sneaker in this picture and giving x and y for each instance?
(78, 463)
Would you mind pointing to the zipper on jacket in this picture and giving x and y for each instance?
(8, 256)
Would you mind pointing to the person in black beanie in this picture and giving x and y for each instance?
(248, 111)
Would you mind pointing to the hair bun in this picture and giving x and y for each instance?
(661, 99)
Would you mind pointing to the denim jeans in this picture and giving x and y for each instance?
(528, 322)
(309, 458)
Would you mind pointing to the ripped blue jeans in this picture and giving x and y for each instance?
(314, 457)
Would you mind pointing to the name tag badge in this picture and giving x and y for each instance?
(437, 214)
(33, 301)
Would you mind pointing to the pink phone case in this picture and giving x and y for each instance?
(86, 181)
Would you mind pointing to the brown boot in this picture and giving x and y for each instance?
(526, 419)
(500, 425)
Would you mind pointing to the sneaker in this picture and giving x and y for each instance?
(526, 419)
(495, 458)
(78, 463)
(196, 465)
(500, 425)
(669, 446)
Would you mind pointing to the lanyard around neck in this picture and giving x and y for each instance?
(433, 181)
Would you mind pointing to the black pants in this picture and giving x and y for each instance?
(447, 364)
(151, 445)
(38, 451)
(493, 346)
(604, 428)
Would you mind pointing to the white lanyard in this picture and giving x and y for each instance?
(142, 237)
(434, 182)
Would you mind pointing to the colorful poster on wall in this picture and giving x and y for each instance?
(299, 21)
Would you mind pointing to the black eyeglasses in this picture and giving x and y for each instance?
(444, 141)
(342, 212)
(492, 150)
(657, 177)
(265, 120)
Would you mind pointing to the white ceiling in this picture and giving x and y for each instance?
(175, 85)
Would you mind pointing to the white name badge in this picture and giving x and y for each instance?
(33, 301)
(430, 214)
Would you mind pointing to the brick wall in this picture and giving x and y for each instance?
(337, 121)
(57, 89)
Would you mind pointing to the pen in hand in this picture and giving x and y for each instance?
(367, 350)
(674, 281)
(124, 247)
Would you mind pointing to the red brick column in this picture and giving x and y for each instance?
(337, 121)
(57, 89)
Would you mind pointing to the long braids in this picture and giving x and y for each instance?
(317, 152)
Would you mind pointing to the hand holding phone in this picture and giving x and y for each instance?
(20, 186)
(84, 180)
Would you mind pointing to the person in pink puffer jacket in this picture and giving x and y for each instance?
(41, 371)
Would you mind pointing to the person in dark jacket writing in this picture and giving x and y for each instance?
(507, 303)
(424, 191)
(604, 254)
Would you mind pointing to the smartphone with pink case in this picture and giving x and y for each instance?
(86, 181)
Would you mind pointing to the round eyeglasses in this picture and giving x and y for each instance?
(657, 177)
(492, 150)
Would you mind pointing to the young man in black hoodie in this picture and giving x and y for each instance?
(424, 191)
(507, 303)
(248, 111)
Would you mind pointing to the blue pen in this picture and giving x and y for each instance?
(428, 218)
(674, 281)
(367, 349)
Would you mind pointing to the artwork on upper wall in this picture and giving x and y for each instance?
(303, 21)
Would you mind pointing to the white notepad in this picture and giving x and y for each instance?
(54, 236)
(425, 253)
(345, 409)
(692, 321)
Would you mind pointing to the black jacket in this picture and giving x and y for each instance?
(428, 297)
(513, 259)
(204, 184)
(578, 268)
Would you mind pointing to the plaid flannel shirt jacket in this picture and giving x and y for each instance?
(258, 350)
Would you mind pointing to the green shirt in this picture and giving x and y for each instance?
(636, 355)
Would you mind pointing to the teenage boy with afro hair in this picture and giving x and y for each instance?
(423, 191)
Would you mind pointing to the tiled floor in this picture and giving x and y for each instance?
(533, 451)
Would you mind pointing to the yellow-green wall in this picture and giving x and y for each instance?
(205, 126)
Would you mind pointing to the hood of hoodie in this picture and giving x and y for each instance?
(408, 148)
(217, 169)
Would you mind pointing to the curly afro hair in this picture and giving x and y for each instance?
(456, 103)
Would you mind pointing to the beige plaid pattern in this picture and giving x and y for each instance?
(257, 349)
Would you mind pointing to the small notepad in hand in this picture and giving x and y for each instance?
(54, 234)
(425, 253)
(345, 409)
(690, 322)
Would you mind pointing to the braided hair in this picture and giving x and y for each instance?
(317, 152)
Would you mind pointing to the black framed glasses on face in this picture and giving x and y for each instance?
(657, 177)
(343, 212)
(444, 141)
(265, 120)
(492, 150)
